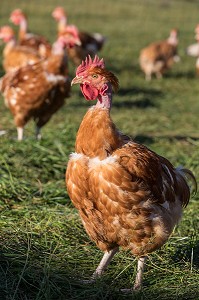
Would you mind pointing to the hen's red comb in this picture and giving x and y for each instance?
(88, 62)
(72, 29)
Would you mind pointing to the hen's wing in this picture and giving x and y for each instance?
(152, 171)
(35, 41)
(134, 174)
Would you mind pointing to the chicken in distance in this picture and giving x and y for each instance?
(193, 50)
(158, 57)
(37, 91)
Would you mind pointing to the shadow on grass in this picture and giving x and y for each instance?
(144, 98)
(20, 280)
(27, 279)
(141, 103)
(150, 139)
(187, 252)
(177, 75)
(28, 275)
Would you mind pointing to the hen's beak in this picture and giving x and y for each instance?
(77, 79)
(78, 42)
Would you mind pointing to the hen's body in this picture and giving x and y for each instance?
(126, 194)
(14, 55)
(158, 57)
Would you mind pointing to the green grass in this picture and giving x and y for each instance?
(44, 250)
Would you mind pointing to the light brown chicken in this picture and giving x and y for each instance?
(15, 56)
(37, 91)
(126, 194)
(27, 39)
(158, 57)
(91, 43)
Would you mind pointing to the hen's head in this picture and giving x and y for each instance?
(71, 36)
(58, 13)
(66, 41)
(94, 79)
(17, 16)
(6, 33)
(173, 37)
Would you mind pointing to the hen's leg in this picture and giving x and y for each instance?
(38, 132)
(148, 77)
(139, 275)
(106, 259)
(19, 133)
(2, 132)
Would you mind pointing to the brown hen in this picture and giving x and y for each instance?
(126, 194)
(37, 91)
(159, 57)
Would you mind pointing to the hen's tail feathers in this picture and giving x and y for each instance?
(189, 179)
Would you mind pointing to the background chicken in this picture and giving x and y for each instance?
(91, 43)
(27, 39)
(15, 56)
(38, 91)
(193, 50)
(158, 57)
(126, 194)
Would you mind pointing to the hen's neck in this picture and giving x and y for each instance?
(23, 28)
(105, 100)
(62, 25)
(57, 64)
(97, 135)
(9, 46)
(172, 40)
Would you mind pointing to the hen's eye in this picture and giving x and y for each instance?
(94, 75)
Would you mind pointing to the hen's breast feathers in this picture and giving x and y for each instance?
(100, 131)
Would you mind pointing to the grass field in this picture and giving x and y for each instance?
(44, 250)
